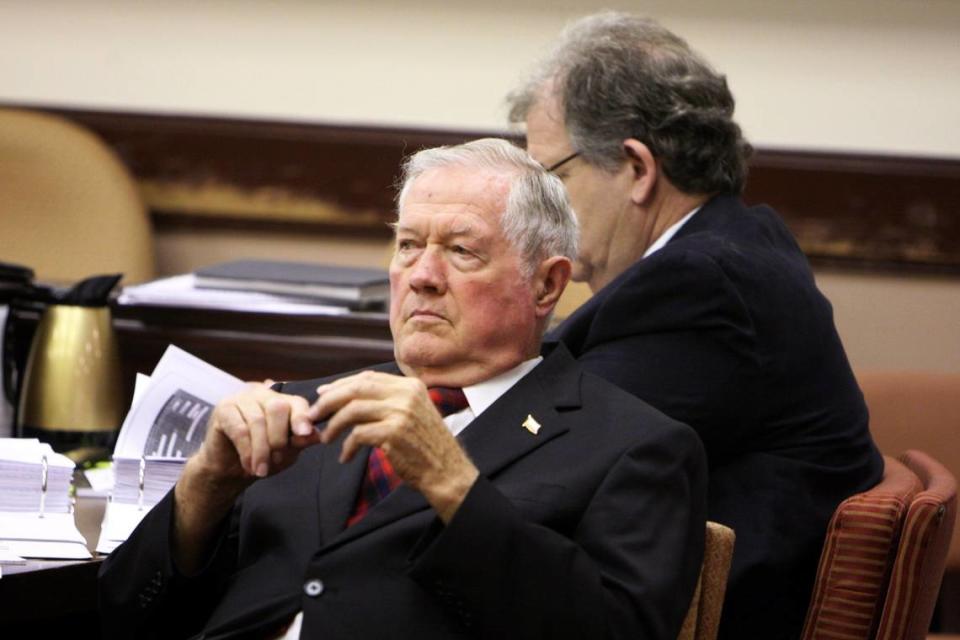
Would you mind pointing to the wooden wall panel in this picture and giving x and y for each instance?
(862, 211)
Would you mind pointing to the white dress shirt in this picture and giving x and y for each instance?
(669, 233)
(483, 394)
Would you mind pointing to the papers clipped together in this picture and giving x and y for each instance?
(36, 509)
(165, 426)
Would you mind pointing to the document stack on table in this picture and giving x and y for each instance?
(165, 425)
(356, 288)
(36, 508)
(268, 286)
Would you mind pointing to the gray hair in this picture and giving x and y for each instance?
(538, 220)
(619, 76)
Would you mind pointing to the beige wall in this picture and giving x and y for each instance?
(871, 75)
(896, 321)
(851, 74)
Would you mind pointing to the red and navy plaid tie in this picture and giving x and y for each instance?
(381, 479)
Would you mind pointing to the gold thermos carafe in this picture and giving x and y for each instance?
(71, 392)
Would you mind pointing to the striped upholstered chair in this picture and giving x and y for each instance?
(922, 553)
(858, 556)
(921, 410)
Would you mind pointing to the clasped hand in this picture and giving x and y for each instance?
(259, 432)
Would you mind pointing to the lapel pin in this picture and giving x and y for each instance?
(531, 425)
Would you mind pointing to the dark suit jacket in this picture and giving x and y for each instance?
(724, 329)
(593, 528)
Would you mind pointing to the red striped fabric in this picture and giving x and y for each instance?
(918, 570)
(857, 558)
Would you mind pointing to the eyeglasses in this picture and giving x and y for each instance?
(557, 165)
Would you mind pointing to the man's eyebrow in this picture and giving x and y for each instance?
(403, 228)
(465, 229)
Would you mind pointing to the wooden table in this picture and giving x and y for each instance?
(253, 345)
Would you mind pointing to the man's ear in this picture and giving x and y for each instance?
(550, 280)
(645, 170)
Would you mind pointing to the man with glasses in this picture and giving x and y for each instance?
(702, 306)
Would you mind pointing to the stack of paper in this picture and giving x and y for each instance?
(36, 518)
(181, 291)
(164, 427)
(145, 480)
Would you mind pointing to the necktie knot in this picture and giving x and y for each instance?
(448, 400)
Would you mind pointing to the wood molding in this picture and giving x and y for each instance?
(258, 174)
(865, 211)
(854, 210)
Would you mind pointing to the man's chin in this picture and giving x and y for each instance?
(423, 350)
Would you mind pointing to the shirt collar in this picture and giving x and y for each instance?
(483, 394)
(668, 234)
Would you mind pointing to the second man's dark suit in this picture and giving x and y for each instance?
(591, 528)
(724, 329)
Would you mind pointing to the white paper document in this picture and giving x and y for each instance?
(119, 521)
(169, 417)
(9, 557)
(165, 426)
(180, 291)
(54, 535)
(101, 483)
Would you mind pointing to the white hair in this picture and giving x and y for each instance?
(538, 220)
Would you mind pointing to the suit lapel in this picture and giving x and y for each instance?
(338, 488)
(498, 437)
(493, 440)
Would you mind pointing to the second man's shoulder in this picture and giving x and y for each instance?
(610, 407)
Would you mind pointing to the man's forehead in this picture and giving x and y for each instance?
(471, 184)
(459, 196)
(547, 135)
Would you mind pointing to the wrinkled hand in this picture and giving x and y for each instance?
(250, 435)
(255, 433)
(395, 413)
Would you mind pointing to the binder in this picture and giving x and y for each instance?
(356, 288)
(140, 485)
(36, 508)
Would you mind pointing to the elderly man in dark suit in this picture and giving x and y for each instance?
(702, 306)
(548, 504)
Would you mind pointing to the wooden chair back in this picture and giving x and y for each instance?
(703, 616)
